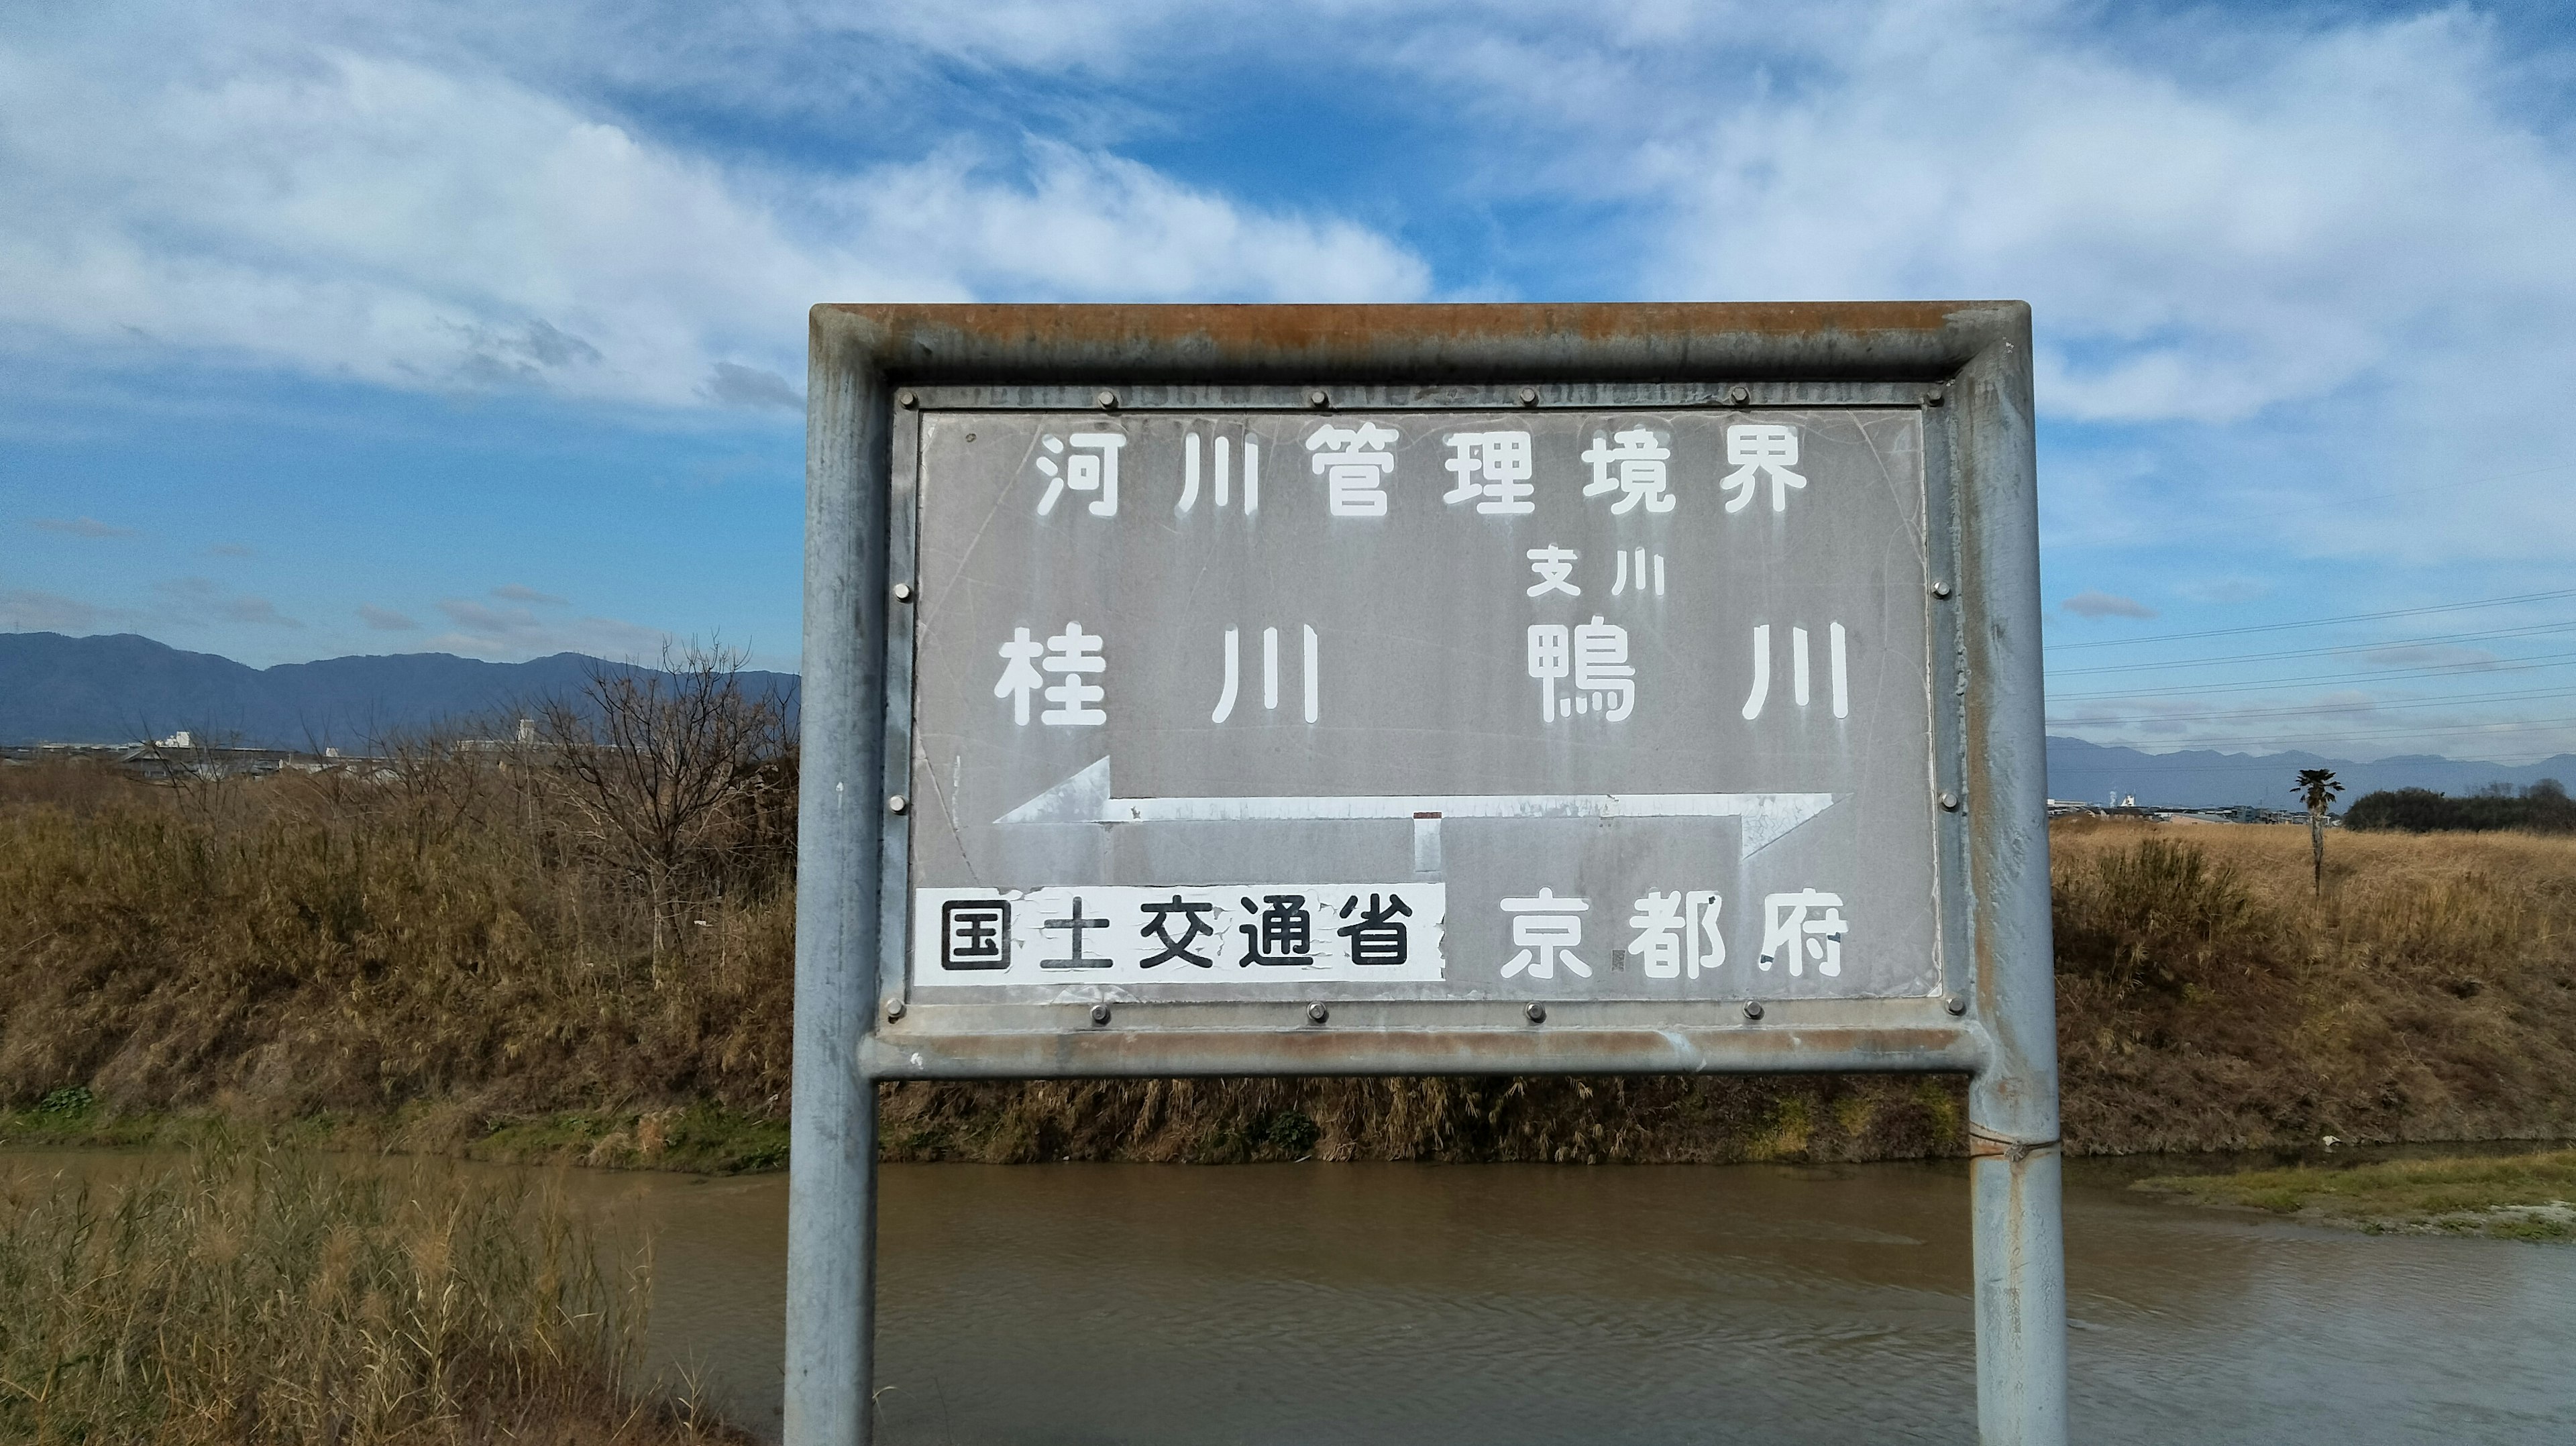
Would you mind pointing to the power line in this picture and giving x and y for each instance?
(2317, 622)
(2416, 642)
(2445, 670)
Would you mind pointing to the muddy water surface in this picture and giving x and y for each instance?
(1480, 1305)
(1489, 1305)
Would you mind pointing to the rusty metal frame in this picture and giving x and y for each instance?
(874, 368)
(922, 1038)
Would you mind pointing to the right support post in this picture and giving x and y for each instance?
(2021, 1294)
(2014, 1162)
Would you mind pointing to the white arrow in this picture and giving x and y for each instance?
(1085, 798)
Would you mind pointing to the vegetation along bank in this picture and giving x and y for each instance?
(528, 956)
(244, 1298)
(2512, 1197)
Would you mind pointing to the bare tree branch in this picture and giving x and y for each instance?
(676, 775)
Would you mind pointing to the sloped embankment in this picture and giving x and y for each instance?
(2210, 1000)
(452, 970)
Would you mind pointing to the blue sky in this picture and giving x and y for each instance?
(475, 327)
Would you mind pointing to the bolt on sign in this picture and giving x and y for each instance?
(1329, 690)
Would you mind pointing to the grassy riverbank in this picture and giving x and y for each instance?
(450, 960)
(2515, 1197)
(696, 1138)
(252, 1298)
(2210, 999)
(427, 954)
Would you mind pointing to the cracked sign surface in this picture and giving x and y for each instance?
(1423, 705)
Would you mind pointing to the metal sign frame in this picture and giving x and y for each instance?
(874, 371)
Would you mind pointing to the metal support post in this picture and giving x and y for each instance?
(831, 1168)
(2021, 1295)
(2013, 1168)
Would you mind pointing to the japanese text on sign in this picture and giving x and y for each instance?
(1566, 704)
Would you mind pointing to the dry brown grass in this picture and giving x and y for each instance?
(447, 945)
(443, 941)
(290, 945)
(1656, 1119)
(245, 1300)
(2208, 999)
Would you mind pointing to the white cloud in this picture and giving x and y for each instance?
(742, 386)
(80, 527)
(2300, 269)
(2204, 235)
(2091, 604)
(2431, 655)
(2226, 590)
(2213, 219)
(28, 610)
(257, 611)
(518, 593)
(511, 633)
(489, 621)
(801, 57)
(1096, 227)
(385, 620)
(2288, 257)
(363, 215)
(198, 600)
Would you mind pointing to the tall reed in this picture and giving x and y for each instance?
(253, 1298)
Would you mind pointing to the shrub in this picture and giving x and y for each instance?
(2159, 914)
(2542, 808)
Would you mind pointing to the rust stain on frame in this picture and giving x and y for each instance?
(1673, 341)
(1079, 1053)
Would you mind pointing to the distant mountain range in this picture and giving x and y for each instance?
(122, 688)
(2201, 779)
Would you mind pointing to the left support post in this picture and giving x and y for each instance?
(831, 1167)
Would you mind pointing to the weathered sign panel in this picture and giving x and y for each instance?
(1410, 704)
(1422, 690)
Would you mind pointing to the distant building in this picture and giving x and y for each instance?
(180, 756)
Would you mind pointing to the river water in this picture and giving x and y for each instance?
(1483, 1305)
(1487, 1305)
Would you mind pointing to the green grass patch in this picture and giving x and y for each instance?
(703, 1139)
(699, 1139)
(67, 1118)
(2515, 1197)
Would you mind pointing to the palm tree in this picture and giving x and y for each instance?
(2317, 788)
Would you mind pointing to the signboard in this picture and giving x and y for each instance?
(1413, 704)
(1422, 690)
